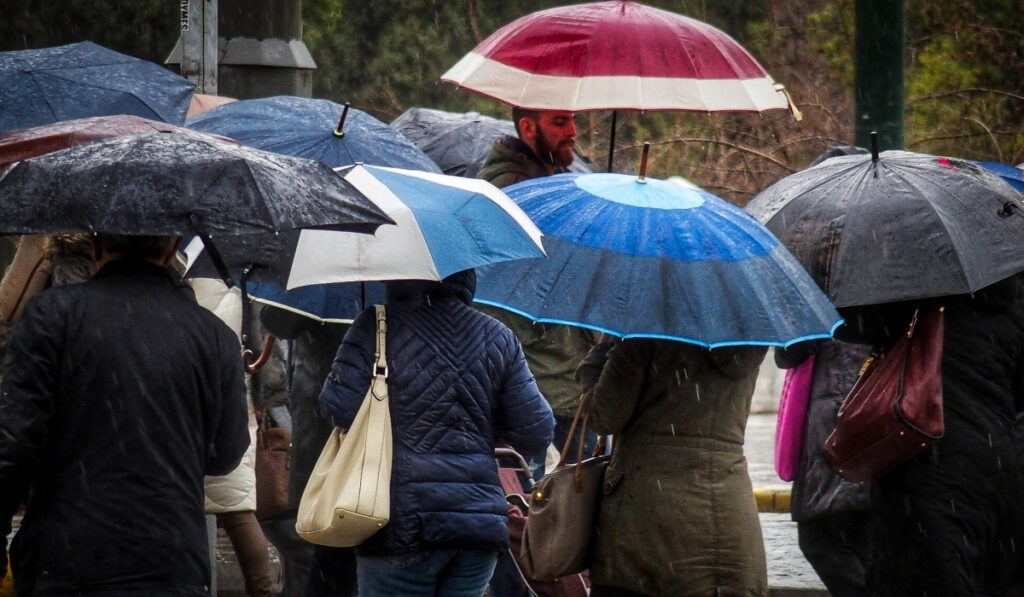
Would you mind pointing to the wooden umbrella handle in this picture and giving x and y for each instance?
(252, 366)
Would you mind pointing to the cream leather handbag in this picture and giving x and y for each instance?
(348, 496)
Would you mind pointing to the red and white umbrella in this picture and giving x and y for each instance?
(617, 55)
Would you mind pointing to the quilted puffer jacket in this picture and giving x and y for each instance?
(458, 385)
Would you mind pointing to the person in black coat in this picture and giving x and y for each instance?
(831, 513)
(947, 521)
(120, 393)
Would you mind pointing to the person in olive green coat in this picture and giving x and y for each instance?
(678, 515)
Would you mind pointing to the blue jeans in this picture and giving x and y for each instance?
(432, 573)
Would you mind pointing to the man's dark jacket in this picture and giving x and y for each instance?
(458, 385)
(511, 161)
(120, 394)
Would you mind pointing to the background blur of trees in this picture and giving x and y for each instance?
(964, 69)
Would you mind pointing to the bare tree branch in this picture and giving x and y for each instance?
(471, 13)
(945, 94)
(988, 131)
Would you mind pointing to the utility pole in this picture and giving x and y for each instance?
(259, 49)
(199, 43)
(878, 76)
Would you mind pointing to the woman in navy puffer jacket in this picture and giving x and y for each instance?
(458, 385)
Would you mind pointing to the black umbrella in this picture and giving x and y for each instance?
(459, 142)
(168, 184)
(898, 226)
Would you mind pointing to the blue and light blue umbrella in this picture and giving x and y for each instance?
(317, 129)
(47, 85)
(444, 224)
(650, 258)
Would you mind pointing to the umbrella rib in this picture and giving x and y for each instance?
(944, 190)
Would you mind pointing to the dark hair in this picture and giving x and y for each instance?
(520, 113)
(147, 247)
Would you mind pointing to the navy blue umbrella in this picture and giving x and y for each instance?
(326, 303)
(317, 129)
(641, 257)
(80, 80)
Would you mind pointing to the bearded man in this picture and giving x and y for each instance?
(545, 143)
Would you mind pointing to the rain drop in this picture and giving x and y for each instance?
(696, 389)
(659, 485)
(673, 426)
(679, 382)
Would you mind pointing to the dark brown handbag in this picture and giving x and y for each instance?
(894, 411)
(558, 538)
(272, 470)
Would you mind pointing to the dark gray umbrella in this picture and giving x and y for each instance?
(169, 184)
(459, 142)
(898, 226)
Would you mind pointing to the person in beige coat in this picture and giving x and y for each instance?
(232, 497)
(678, 515)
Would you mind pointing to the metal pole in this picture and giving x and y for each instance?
(878, 79)
(611, 141)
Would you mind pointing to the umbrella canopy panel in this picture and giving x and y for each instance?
(25, 143)
(202, 102)
(459, 142)
(309, 128)
(169, 184)
(656, 259)
(445, 224)
(79, 80)
(1013, 175)
(616, 55)
(907, 226)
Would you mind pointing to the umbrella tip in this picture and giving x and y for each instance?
(643, 163)
(874, 146)
(340, 131)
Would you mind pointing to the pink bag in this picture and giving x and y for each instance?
(789, 430)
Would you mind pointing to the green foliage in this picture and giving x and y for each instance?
(831, 33)
(965, 79)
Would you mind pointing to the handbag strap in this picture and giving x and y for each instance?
(379, 386)
(580, 419)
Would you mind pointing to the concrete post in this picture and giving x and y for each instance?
(199, 42)
(260, 50)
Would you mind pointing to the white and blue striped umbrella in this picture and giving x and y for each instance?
(444, 224)
(651, 258)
